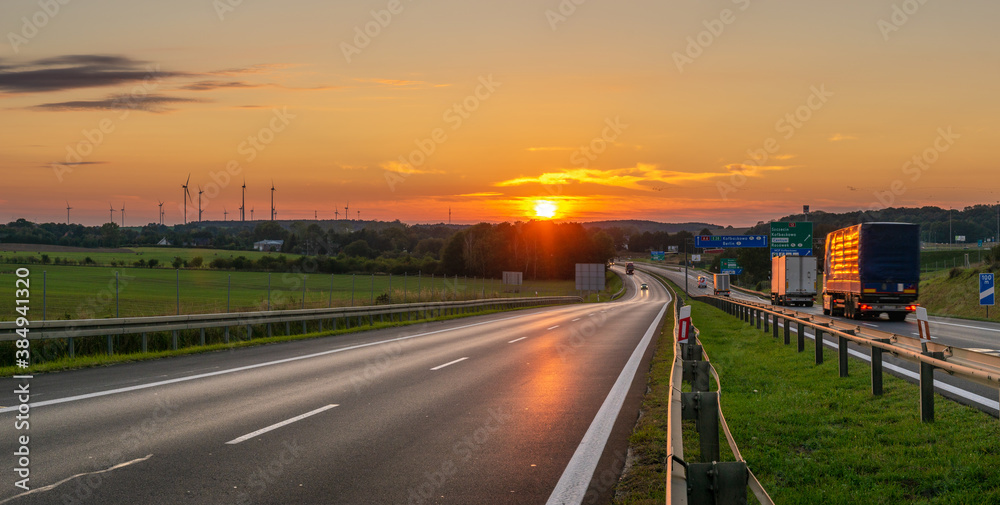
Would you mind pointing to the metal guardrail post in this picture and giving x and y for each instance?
(202, 340)
(173, 341)
(877, 367)
(774, 326)
(703, 407)
(842, 352)
(714, 483)
(927, 387)
(801, 338)
(788, 331)
(111, 345)
(145, 343)
(767, 321)
(818, 333)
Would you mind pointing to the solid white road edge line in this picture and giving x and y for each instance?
(449, 363)
(250, 367)
(275, 426)
(572, 486)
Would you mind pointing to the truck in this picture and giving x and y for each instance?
(629, 268)
(871, 269)
(793, 280)
(721, 284)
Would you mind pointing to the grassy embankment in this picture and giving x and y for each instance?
(811, 437)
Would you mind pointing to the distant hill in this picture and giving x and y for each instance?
(654, 226)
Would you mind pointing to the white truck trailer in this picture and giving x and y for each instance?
(793, 280)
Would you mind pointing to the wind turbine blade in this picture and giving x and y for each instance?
(188, 180)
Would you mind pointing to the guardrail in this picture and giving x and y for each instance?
(928, 355)
(340, 317)
(708, 481)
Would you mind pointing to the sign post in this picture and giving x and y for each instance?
(987, 294)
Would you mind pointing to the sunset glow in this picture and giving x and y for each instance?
(545, 209)
(477, 107)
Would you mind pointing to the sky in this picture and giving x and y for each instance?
(724, 111)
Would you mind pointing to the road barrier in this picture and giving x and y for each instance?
(928, 355)
(339, 318)
(707, 481)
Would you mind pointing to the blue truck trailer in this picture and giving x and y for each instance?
(871, 269)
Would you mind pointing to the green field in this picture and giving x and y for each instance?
(164, 255)
(77, 292)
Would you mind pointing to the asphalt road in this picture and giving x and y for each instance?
(532, 406)
(975, 335)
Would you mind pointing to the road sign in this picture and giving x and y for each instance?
(986, 291)
(656, 255)
(729, 241)
(791, 239)
(728, 263)
(732, 271)
(684, 324)
(980, 243)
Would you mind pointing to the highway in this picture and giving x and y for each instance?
(975, 335)
(531, 406)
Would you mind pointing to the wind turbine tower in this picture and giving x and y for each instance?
(68, 208)
(243, 206)
(347, 211)
(272, 201)
(186, 197)
(199, 203)
(111, 215)
(161, 212)
(123, 214)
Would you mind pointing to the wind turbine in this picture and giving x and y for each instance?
(225, 214)
(359, 215)
(316, 215)
(243, 206)
(347, 211)
(123, 214)
(112, 214)
(186, 197)
(199, 202)
(336, 213)
(251, 213)
(161, 212)
(272, 200)
(67, 211)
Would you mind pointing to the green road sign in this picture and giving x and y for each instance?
(729, 264)
(791, 239)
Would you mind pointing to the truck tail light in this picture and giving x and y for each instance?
(865, 306)
(911, 308)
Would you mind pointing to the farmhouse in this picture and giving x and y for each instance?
(268, 245)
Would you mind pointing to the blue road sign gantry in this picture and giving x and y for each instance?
(730, 241)
(986, 290)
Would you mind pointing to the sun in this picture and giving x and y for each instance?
(545, 209)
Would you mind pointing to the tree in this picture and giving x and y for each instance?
(359, 248)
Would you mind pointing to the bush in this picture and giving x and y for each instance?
(152, 263)
(88, 260)
(196, 262)
(954, 272)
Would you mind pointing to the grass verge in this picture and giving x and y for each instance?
(811, 437)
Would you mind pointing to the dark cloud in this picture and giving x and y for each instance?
(148, 103)
(76, 164)
(211, 85)
(76, 71)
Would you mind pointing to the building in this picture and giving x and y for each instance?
(268, 245)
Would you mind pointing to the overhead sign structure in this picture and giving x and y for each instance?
(730, 241)
(987, 295)
(792, 239)
(713, 251)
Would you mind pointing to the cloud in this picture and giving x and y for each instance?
(533, 149)
(406, 169)
(480, 194)
(75, 164)
(213, 85)
(148, 103)
(76, 72)
(641, 177)
(403, 83)
(838, 137)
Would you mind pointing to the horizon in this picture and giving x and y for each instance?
(445, 111)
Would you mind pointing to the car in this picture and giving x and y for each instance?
(644, 287)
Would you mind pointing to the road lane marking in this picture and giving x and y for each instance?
(552, 327)
(251, 367)
(67, 479)
(575, 480)
(449, 363)
(964, 326)
(275, 426)
(517, 340)
(577, 319)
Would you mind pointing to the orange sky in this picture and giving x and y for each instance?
(611, 110)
